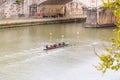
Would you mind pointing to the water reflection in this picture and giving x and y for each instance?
(19, 39)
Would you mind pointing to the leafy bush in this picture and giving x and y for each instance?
(111, 60)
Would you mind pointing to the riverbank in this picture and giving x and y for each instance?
(10, 23)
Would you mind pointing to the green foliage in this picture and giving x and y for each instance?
(111, 60)
(111, 4)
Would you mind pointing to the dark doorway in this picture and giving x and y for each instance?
(33, 10)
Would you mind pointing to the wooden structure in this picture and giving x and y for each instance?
(52, 8)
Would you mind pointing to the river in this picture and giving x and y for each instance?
(22, 56)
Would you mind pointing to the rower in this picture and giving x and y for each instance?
(55, 45)
(59, 44)
(46, 46)
(51, 46)
(63, 43)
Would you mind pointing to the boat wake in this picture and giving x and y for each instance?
(26, 56)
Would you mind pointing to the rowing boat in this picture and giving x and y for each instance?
(56, 47)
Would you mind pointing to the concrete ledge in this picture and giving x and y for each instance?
(32, 22)
(100, 25)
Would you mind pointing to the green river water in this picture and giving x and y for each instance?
(22, 56)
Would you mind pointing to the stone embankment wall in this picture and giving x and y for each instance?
(32, 22)
(101, 17)
(106, 16)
